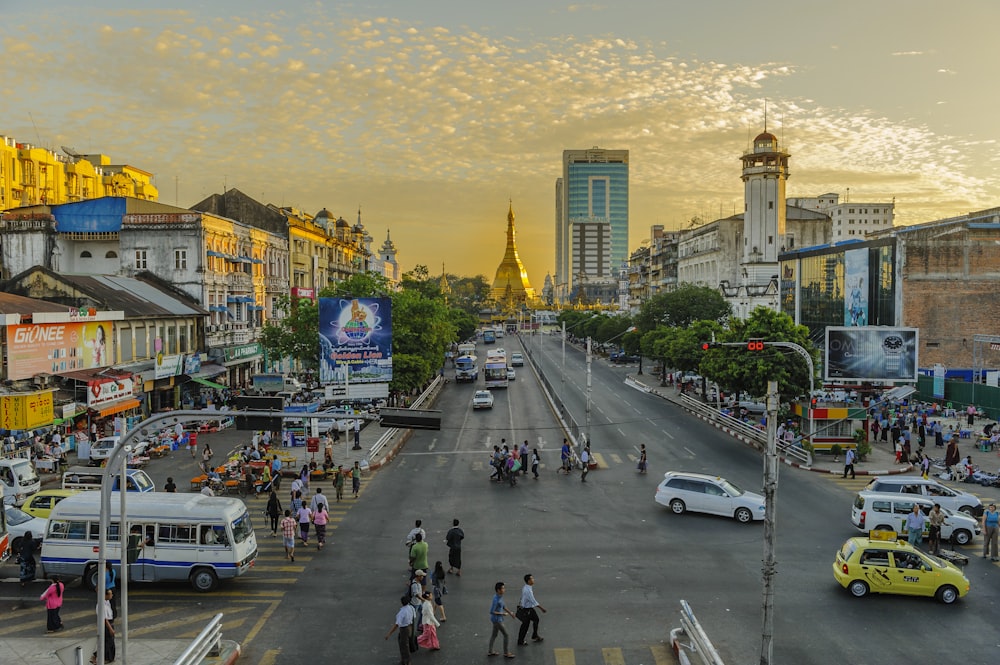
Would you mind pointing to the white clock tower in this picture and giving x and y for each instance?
(765, 170)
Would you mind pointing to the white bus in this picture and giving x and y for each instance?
(191, 537)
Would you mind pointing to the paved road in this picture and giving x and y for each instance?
(610, 565)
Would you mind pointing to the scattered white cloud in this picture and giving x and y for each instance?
(901, 53)
(950, 72)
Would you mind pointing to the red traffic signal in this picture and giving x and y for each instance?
(755, 345)
(705, 346)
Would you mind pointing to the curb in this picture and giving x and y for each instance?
(234, 655)
(792, 463)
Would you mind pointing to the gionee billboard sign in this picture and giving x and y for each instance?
(56, 348)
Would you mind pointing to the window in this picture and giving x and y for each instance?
(111, 255)
(770, 205)
(85, 255)
(881, 507)
(180, 259)
(95, 531)
(177, 533)
(140, 259)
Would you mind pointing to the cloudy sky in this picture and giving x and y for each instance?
(431, 114)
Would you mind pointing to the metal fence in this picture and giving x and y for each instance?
(207, 643)
(555, 398)
(691, 637)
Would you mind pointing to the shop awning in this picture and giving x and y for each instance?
(210, 384)
(118, 407)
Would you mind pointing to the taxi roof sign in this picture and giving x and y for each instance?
(882, 534)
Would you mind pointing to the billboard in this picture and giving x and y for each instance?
(26, 410)
(856, 287)
(57, 348)
(355, 338)
(871, 354)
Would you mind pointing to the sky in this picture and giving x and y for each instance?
(431, 115)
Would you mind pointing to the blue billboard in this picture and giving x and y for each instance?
(355, 337)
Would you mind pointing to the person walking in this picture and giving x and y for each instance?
(28, 548)
(418, 554)
(317, 499)
(497, 613)
(991, 525)
(357, 434)
(915, 522)
(439, 588)
(320, 518)
(53, 599)
(417, 592)
(338, 482)
(305, 518)
(109, 630)
(428, 638)
(411, 537)
(273, 511)
(936, 519)
(288, 535)
(849, 463)
(642, 458)
(526, 612)
(111, 582)
(564, 457)
(453, 539)
(535, 460)
(206, 458)
(356, 479)
(524, 457)
(404, 625)
(925, 466)
(585, 461)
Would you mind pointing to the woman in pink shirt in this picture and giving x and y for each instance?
(53, 599)
(320, 519)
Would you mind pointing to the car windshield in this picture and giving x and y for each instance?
(242, 528)
(17, 516)
(141, 480)
(731, 489)
(25, 472)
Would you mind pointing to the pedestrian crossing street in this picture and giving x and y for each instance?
(656, 654)
(174, 610)
(604, 461)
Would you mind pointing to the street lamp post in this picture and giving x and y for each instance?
(589, 358)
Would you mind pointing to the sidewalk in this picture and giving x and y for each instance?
(880, 461)
(51, 650)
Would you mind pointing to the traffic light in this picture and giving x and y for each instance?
(755, 345)
(705, 346)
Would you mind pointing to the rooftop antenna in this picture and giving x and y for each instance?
(765, 114)
(37, 137)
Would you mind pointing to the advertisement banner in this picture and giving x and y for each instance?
(26, 411)
(56, 348)
(355, 337)
(167, 366)
(871, 354)
(102, 391)
(856, 287)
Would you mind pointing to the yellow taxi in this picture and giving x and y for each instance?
(881, 564)
(40, 504)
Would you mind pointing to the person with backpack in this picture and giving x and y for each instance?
(53, 599)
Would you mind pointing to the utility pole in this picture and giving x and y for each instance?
(589, 357)
(770, 492)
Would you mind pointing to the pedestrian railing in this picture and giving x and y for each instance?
(389, 433)
(208, 643)
(691, 637)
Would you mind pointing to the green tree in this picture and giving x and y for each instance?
(359, 285)
(465, 324)
(295, 336)
(424, 330)
(682, 306)
(735, 368)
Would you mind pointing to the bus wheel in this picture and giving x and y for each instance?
(204, 580)
(89, 579)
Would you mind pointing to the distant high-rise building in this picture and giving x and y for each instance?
(851, 221)
(593, 190)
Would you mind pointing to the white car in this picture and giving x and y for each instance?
(19, 523)
(511, 376)
(101, 449)
(483, 399)
(700, 493)
(516, 360)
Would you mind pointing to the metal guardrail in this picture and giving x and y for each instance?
(701, 648)
(555, 399)
(387, 436)
(208, 643)
(750, 432)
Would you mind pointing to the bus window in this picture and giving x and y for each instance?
(177, 533)
(95, 531)
(214, 535)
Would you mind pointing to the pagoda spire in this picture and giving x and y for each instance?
(511, 281)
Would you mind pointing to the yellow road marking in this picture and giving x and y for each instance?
(613, 656)
(599, 458)
(564, 656)
(198, 617)
(287, 569)
(615, 458)
(662, 655)
(225, 594)
(260, 623)
(270, 657)
(226, 627)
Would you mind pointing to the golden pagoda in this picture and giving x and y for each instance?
(511, 289)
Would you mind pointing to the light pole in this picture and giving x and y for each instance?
(589, 357)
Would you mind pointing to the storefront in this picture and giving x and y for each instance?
(242, 362)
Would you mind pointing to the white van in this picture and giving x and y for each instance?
(88, 478)
(887, 511)
(18, 480)
(202, 539)
(950, 498)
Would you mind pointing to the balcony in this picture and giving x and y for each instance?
(240, 280)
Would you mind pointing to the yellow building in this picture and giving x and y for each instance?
(323, 250)
(31, 176)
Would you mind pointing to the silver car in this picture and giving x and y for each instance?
(700, 493)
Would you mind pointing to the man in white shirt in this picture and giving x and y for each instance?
(318, 500)
(585, 460)
(412, 536)
(526, 612)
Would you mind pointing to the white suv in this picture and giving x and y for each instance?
(952, 499)
(887, 511)
(701, 493)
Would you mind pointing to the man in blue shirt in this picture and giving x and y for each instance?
(497, 613)
(404, 623)
(526, 610)
(915, 526)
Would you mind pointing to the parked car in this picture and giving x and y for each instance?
(622, 357)
(700, 493)
(19, 523)
(884, 565)
(483, 399)
(40, 504)
(952, 499)
(101, 449)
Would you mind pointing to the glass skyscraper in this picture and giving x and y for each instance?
(593, 189)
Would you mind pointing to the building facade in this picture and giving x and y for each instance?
(850, 220)
(594, 189)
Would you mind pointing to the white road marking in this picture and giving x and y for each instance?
(690, 452)
(667, 433)
(430, 446)
(620, 431)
